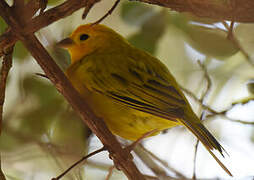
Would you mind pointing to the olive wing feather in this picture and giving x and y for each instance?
(137, 84)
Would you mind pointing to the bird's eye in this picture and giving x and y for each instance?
(83, 37)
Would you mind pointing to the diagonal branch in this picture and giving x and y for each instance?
(121, 158)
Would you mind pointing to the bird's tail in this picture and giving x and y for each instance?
(207, 139)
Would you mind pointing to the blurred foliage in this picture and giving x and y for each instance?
(3, 25)
(152, 25)
(41, 116)
(54, 2)
(50, 116)
(250, 86)
(50, 2)
(245, 34)
(204, 36)
(136, 13)
(210, 41)
(150, 32)
(20, 52)
(37, 119)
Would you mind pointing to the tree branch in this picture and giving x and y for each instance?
(120, 156)
(232, 10)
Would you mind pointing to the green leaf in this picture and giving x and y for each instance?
(46, 106)
(8, 141)
(210, 41)
(42, 89)
(207, 40)
(135, 13)
(20, 52)
(69, 133)
(179, 20)
(54, 2)
(3, 25)
(150, 32)
(50, 2)
(50, 116)
(245, 35)
(36, 121)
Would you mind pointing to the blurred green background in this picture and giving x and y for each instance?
(42, 135)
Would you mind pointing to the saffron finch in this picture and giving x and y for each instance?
(130, 89)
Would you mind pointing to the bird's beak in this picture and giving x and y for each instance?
(65, 43)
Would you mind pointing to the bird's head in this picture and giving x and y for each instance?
(91, 38)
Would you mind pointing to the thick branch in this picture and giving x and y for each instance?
(121, 158)
(232, 10)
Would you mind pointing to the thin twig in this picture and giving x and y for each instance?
(108, 13)
(110, 172)
(240, 121)
(89, 5)
(230, 30)
(164, 163)
(192, 95)
(42, 75)
(203, 114)
(135, 143)
(213, 112)
(225, 25)
(236, 42)
(79, 161)
(42, 5)
(208, 82)
(150, 162)
(232, 120)
(195, 160)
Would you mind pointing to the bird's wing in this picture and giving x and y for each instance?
(140, 85)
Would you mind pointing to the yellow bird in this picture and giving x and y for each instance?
(130, 89)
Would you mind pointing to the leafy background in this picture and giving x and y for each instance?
(42, 136)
